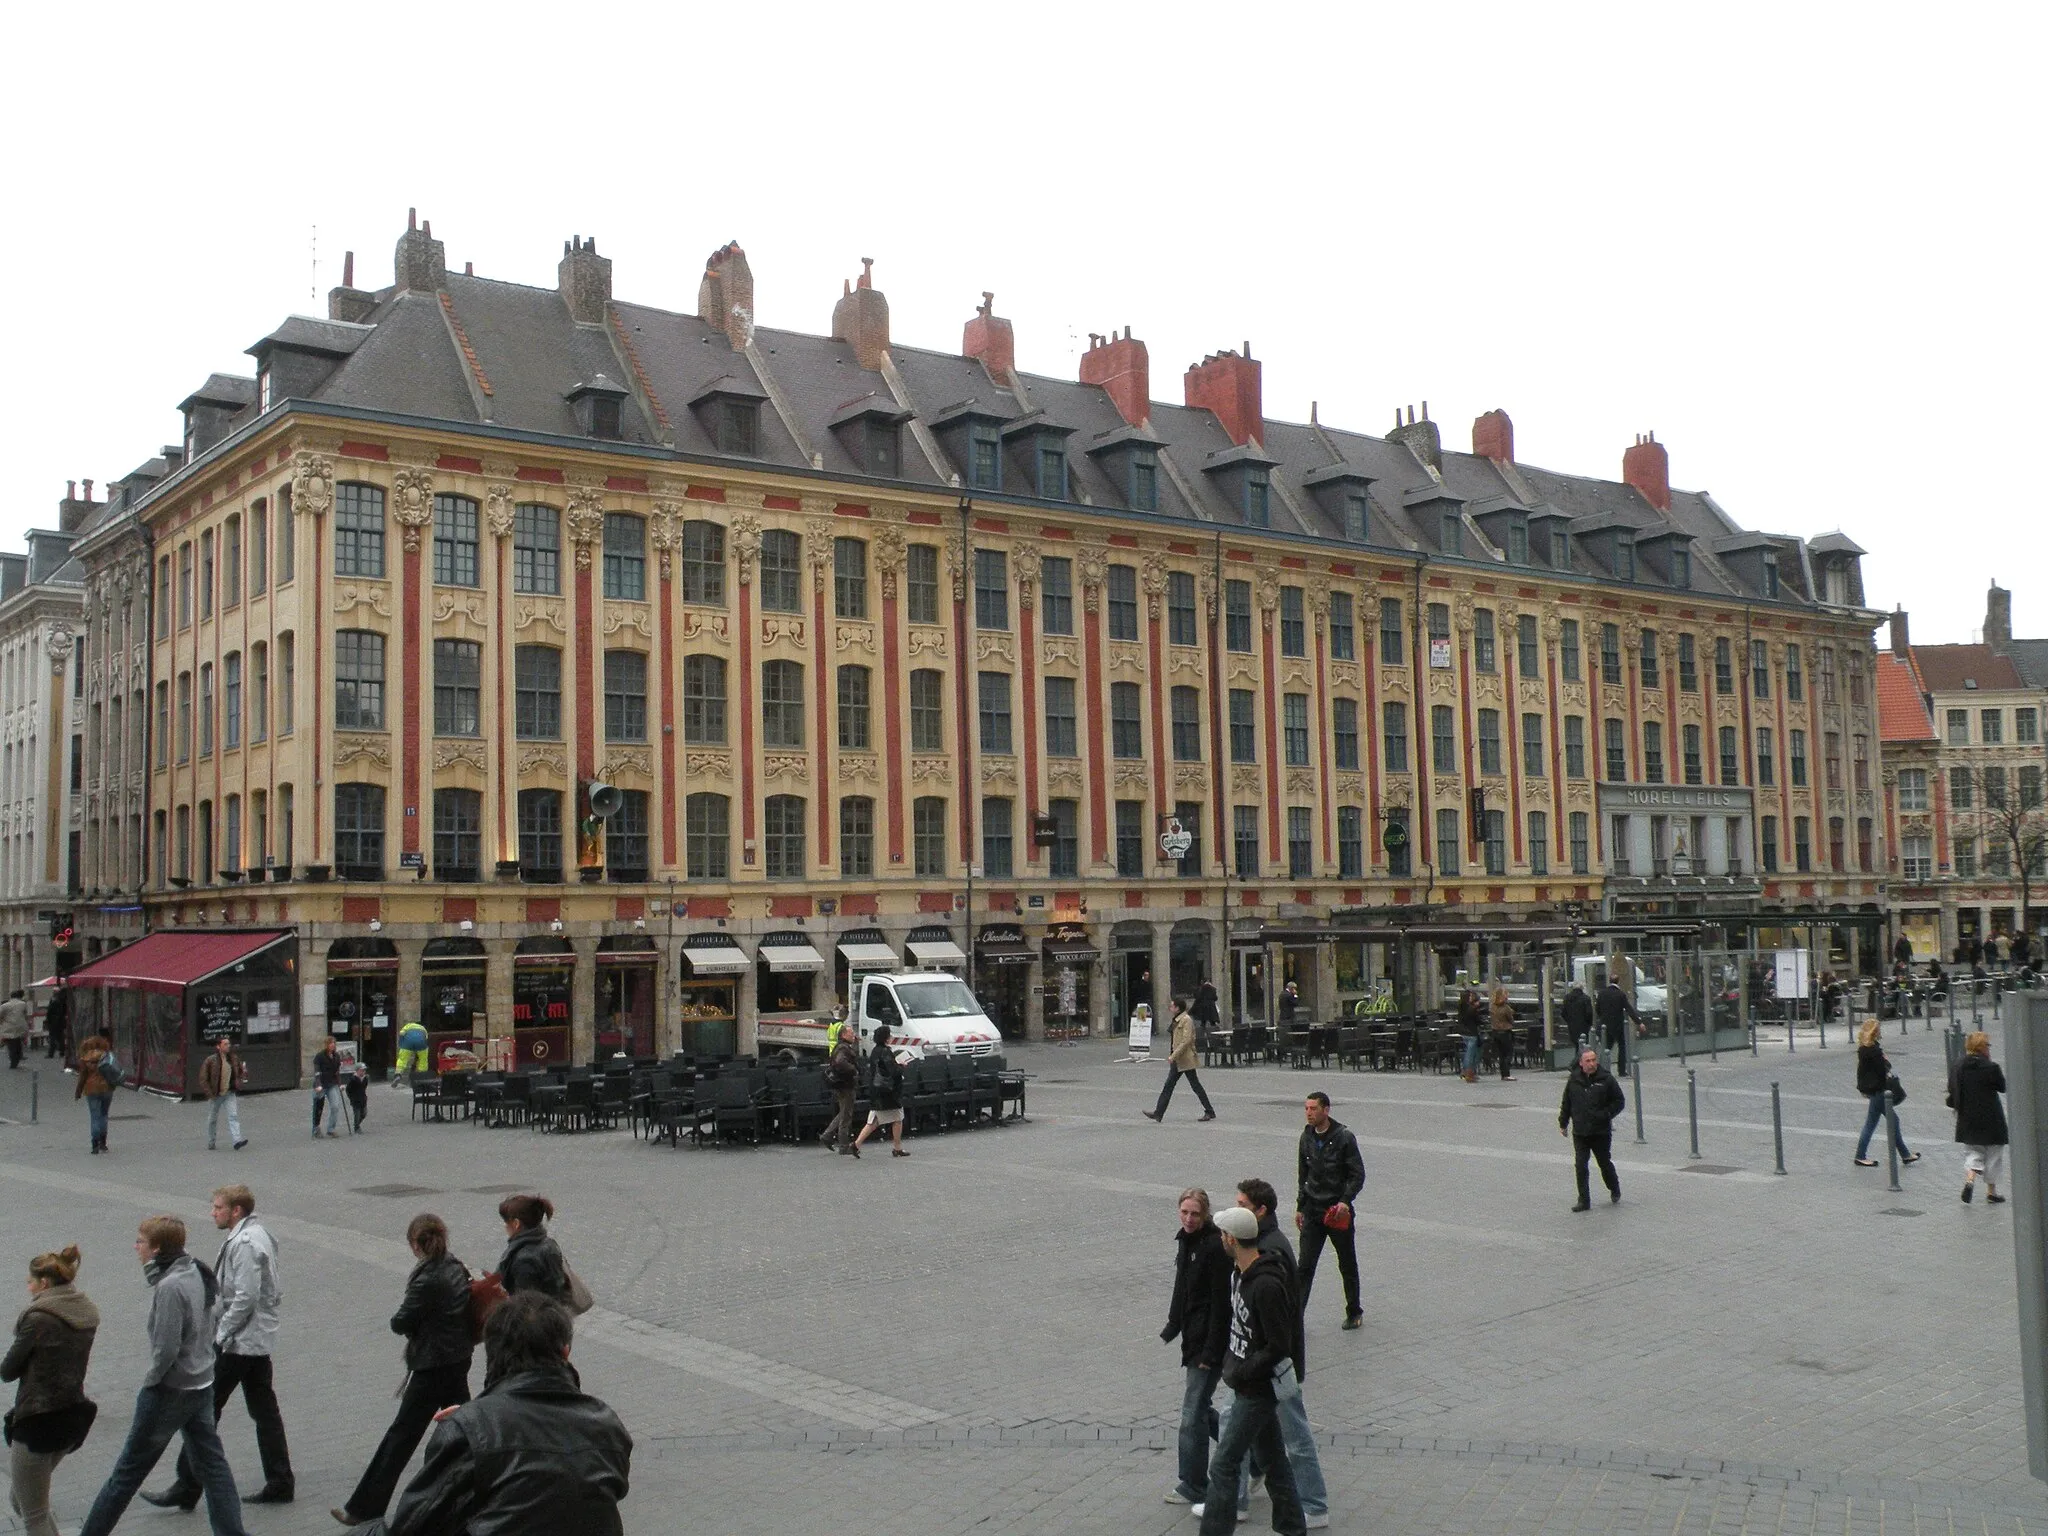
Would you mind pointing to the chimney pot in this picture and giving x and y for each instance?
(469, 269)
(1998, 619)
(1122, 368)
(1230, 387)
(412, 218)
(725, 297)
(862, 317)
(348, 269)
(88, 490)
(584, 280)
(989, 338)
(71, 490)
(1902, 639)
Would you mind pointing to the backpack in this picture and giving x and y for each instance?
(110, 1071)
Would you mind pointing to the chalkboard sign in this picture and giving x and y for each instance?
(220, 1016)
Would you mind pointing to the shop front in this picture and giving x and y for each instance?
(786, 976)
(1070, 957)
(708, 1007)
(932, 949)
(543, 1001)
(1130, 976)
(1190, 957)
(1002, 976)
(626, 993)
(452, 1005)
(1921, 928)
(861, 952)
(362, 1000)
(165, 999)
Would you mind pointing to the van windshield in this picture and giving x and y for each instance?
(942, 998)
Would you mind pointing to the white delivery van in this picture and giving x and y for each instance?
(929, 1013)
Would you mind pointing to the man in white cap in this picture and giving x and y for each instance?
(1265, 1319)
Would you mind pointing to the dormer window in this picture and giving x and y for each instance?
(1258, 499)
(1450, 534)
(739, 425)
(1357, 516)
(1144, 493)
(870, 429)
(1518, 541)
(1052, 471)
(1681, 567)
(599, 405)
(1624, 557)
(985, 460)
(1560, 549)
(1771, 588)
(729, 410)
(604, 418)
(263, 389)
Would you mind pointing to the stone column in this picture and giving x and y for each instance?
(1097, 975)
(1034, 1000)
(1162, 983)
(1325, 1010)
(409, 985)
(583, 1000)
(498, 969)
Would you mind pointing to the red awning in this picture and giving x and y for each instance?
(170, 962)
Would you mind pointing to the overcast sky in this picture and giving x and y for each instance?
(1800, 243)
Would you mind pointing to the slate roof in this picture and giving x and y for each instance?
(508, 354)
(2030, 657)
(1902, 714)
(1949, 668)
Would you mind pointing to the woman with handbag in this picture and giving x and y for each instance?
(1874, 1080)
(1471, 1025)
(51, 1415)
(531, 1261)
(434, 1321)
(1980, 1119)
(99, 1074)
(1501, 1014)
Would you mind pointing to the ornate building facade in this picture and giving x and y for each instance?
(871, 648)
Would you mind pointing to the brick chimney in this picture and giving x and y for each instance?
(1493, 436)
(1998, 619)
(1420, 438)
(1648, 468)
(585, 280)
(726, 295)
(862, 317)
(348, 302)
(420, 263)
(1902, 637)
(74, 509)
(1121, 366)
(1231, 385)
(988, 337)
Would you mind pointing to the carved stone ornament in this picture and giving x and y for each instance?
(467, 754)
(1125, 656)
(998, 772)
(859, 765)
(1064, 775)
(631, 616)
(1553, 626)
(1191, 776)
(1301, 781)
(699, 624)
(469, 604)
(1130, 775)
(543, 760)
(1443, 683)
(1446, 790)
(585, 520)
(1026, 561)
(853, 636)
(664, 532)
(786, 765)
(376, 748)
(312, 483)
(1461, 612)
(994, 645)
(1394, 680)
(1154, 573)
(746, 544)
(1351, 785)
(374, 596)
(1060, 648)
(623, 761)
(818, 546)
(886, 549)
(529, 614)
(1572, 694)
(1398, 790)
(412, 504)
(1343, 676)
(1243, 669)
(1183, 658)
(931, 770)
(927, 638)
(707, 765)
(59, 643)
(1268, 588)
(1093, 564)
(956, 563)
(499, 502)
(1244, 779)
(782, 626)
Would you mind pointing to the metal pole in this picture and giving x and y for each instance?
(1891, 1142)
(1635, 1068)
(1692, 1109)
(1707, 1012)
(35, 1086)
(1778, 1128)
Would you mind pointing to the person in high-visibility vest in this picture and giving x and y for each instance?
(833, 1031)
(412, 1052)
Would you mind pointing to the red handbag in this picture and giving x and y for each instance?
(1337, 1218)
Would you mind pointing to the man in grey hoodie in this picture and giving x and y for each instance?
(177, 1386)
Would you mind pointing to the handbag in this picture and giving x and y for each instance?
(1337, 1218)
(1895, 1088)
(58, 1432)
(579, 1300)
(485, 1292)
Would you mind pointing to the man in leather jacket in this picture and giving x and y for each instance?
(1592, 1098)
(531, 1453)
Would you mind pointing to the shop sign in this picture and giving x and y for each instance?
(1175, 840)
(1000, 933)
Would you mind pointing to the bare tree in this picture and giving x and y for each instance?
(2006, 802)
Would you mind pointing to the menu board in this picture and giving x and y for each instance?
(220, 1016)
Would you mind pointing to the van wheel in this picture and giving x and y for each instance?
(786, 1056)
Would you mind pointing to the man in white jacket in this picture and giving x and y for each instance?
(243, 1339)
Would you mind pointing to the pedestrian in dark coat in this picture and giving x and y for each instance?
(1980, 1117)
(1902, 950)
(1501, 1015)
(1578, 1014)
(57, 1021)
(1592, 1098)
(1208, 1016)
(1265, 1323)
(531, 1261)
(1611, 1007)
(433, 1319)
(842, 1076)
(98, 1075)
(1296, 1434)
(1873, 1081)
(885, 1095)
(1329, 1173)
(1471, 1029)
(1199, 1317)
(52, 1345)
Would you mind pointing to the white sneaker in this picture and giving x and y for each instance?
(1317, 1522)
(1173, 1497)
(1196, 1510)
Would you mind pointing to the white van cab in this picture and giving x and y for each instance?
(929, 1013)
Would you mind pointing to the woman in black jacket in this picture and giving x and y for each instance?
(1980, 1118)
(52, 1415)
(1207, 1015)
(531, 1261)
(434, 1321)
(1873, 1076)
(885, 1095)
(1199, 1317)
(1471, 1025)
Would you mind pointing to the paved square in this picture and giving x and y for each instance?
(967, 1340)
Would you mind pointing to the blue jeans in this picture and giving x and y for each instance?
(1471, 1054)
(1251, 1427)
(230, 1105)
(1195, 1413)
(161, 1413)
(1300, 1440)
(1870, 1124)
(330, 1100)
(96, 1111)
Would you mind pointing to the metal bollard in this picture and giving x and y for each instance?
(1891, 1141)
(1635, 1068)
(35, 1095)
(1820, 1015)
(1692, 1109)
(1778, 1128)
(1752, 1038)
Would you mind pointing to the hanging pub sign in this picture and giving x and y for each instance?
(1174, 839)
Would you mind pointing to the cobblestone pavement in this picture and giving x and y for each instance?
(967, 1340)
